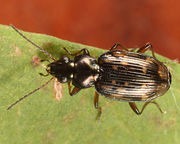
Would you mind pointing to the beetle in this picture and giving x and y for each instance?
(119, 74)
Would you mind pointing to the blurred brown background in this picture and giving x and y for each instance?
(100, 23)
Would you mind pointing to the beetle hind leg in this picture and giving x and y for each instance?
(116, 45)
(136, 110)
(146, 47)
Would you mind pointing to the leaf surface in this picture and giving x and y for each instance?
(42, 119)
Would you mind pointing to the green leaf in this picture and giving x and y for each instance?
(42, 119)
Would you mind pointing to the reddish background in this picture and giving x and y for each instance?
(101, 23)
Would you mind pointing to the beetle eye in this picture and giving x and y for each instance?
(91, 83)
(63, 79)
(66, 59)
(93, 63)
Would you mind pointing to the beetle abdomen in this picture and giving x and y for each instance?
(131, 76)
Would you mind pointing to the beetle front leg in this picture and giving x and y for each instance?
(74, 91)
(48, 72)
(85, 52)
(96, 105)
(145, 48)
(136, 110)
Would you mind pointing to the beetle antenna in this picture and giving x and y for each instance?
(44, 51)
(12, 105)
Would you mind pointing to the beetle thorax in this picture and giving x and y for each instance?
(86, 71)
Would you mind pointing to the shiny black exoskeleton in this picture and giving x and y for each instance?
(118, 74)
(83, 70)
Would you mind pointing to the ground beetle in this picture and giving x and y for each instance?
(119, 74)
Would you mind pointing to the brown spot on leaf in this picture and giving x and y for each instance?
(17, 51)
(50, 136)
(161, 123)
(47, 44)
(35, 61)
(68, 118)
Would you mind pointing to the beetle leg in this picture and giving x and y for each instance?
(96, 100)
(85, 52)
(44, 74)
(136, 110)
(116, 45)
(74, 91)
(45, 61)
(69, 87)
(145, 48)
